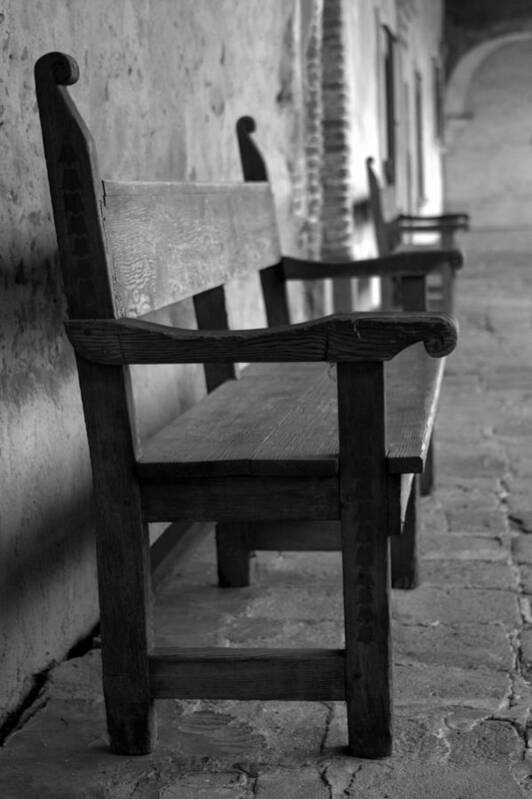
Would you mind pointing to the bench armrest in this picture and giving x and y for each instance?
(407, 264)
(342, 337)
(461, 218)
(430, 224)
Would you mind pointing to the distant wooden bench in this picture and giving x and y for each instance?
(288, 447)
(392, 230)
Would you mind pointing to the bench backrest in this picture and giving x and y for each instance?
(381, 227)
(128, 249)
(131, 248)
(170, 241)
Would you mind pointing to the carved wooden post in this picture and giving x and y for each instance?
(122, 543)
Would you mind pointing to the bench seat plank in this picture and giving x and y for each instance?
(281, 419)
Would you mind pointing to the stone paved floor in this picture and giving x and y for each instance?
(463, 639)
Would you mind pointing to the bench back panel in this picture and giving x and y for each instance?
(376, 209)
(170, 241)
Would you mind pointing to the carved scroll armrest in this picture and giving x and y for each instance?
(342, 337)
(404, 264)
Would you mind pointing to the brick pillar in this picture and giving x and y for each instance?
(337, 218)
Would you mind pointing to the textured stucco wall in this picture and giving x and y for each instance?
(162, 84)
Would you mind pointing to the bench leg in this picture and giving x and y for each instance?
(125, 620)
(427, 476)
(232, 554)
(404, 546)
(123, 555)
(365, 559)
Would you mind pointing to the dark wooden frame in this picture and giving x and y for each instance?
(364, 495)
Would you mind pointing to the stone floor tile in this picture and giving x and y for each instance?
(465, 645)
(303, 783)
(472, 573)
(449, 605)
(464, 547)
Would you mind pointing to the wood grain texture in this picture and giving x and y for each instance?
(365, 558)
(397, 264)
(229, 673)
(170, 241)
(343, 337)
(276, 422)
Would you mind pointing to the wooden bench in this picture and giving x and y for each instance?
(284, 445)
(392, 229)
(411, 271)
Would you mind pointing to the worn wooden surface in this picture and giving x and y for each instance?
(365, 558)
(230, 673)
(284, 422)
(172, 240)
(343, 337)
(264, 448)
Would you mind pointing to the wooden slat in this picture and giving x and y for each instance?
(170, 241)
(282, 536)
(240, 499)
(342, 337)
(230, 673)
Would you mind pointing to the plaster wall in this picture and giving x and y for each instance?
(358, 106)
(417, 27)
(162, 84)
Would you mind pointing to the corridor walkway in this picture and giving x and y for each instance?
(463, 639)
